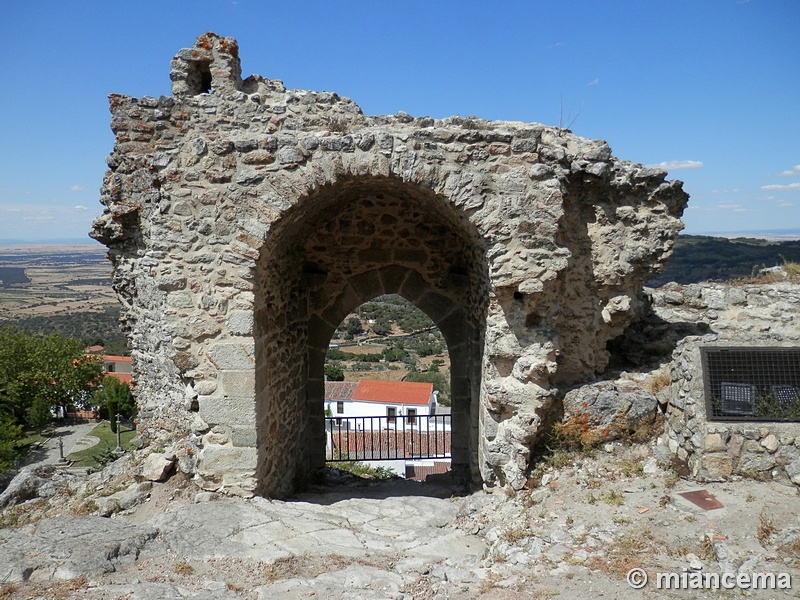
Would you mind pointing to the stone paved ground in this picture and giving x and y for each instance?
(590, 519)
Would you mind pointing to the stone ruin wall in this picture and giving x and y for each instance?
(244, 221)
(752, 315)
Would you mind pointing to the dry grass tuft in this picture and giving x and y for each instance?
(634, 548)
(658, 380)
(7, 590)
(766, 529)
(183, 568)
(312, 566)
(20, 515)
(515, 534)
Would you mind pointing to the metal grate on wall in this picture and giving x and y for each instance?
(751, 384)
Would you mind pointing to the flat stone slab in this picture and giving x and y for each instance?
(69, 547)
(362, 537)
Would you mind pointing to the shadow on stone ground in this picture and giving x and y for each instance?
(340, 485)
(592, 517)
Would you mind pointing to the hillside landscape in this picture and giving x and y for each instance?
(66, 289)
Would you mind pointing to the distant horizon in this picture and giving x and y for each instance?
(706, 91)
(784, 234)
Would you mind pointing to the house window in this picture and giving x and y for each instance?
(110, 367)
(391, 413)
(412, 416)
(340, 407)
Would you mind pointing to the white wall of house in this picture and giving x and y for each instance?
(402, 412)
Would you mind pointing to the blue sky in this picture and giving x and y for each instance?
(708, 88)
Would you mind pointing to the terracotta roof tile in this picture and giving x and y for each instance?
(123, 377)
(339, 390)
(393, 392)
(116, 358)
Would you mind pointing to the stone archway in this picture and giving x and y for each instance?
(335, 249)
(244, 220)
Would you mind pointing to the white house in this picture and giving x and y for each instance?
(393, 424)
(400, 403)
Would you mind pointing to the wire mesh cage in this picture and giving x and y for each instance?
(754, 384)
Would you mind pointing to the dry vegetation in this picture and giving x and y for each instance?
(63, 280)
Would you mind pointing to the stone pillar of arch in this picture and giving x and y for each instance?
(244, 221)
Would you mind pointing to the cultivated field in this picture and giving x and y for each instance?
(45, 281)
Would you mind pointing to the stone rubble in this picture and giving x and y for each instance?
(593, 517)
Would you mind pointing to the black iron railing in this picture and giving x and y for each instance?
(400, 437)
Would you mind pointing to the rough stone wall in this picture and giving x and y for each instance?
(245, 220)
(757, 315)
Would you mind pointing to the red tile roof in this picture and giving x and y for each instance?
(339, 390)
(123, 377)
(120, 359)
(393, 392)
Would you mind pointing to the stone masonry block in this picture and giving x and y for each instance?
(240, 322)
(238, 356)
(234, 411)
(237, 384)
(224, 459)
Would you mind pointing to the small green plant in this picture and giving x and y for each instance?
(360, 469)
(591, 499)
(614, 498)
(620, 520)
(632, 467)
(707, 550)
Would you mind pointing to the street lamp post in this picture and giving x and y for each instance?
(118, 449)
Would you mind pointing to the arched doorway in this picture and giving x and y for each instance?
(335, 249)
(387, 392)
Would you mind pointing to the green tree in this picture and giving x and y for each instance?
(354, 326)
(113, 397)
(334, 373)
(9, 434)
(382, 326)
(439, 381)
(39, 373)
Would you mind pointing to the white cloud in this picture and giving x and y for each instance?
(730, 206)
(783, 204)
(45, 221)
(676, 165)
(793, 172)
(593, 82)
(77, 188)
(790, 186)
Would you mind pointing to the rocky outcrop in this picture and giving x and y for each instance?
(244, 221)
(609, 410)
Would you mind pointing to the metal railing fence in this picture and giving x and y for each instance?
(400, 437)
